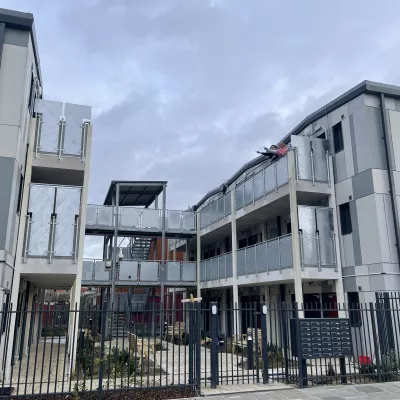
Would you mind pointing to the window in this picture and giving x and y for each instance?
(337, 137)
(354, 309)
(345, 218)
(20, 190)
(32, 95)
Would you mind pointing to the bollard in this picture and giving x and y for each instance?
(250, 353)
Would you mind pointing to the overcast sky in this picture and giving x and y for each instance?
(187, 90)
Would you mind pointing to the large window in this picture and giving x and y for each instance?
(337, 133)
(345, 218)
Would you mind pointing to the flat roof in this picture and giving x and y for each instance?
(23, 21)
(365, 87)
(135, 193)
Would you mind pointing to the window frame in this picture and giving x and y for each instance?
(337, 134)
(346, 227)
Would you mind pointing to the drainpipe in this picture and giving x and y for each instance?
(389, 164)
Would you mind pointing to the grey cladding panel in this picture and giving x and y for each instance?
(363, 184)
(356, 233)
(16, 37)
(6, 182)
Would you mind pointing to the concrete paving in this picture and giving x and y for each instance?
(375, 391)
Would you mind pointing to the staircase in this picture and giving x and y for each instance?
(119, 325)
(140, 248)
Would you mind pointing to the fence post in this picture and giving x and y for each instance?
(285, 340)
(302, 365)
(264, 350)
(102, 339)
(198, 342)
(374, 334)
(214, 345)
(191, 342)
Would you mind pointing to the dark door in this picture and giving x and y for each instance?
(329, 305)
(312, 305)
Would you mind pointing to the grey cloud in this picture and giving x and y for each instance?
(186, 90)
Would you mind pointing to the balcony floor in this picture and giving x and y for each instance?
(138, 284)
(133, 232)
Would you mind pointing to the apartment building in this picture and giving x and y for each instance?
(317, 226)
(44, 175)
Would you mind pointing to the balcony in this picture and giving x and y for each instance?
(311, 163)
(216, 268)
(61, 129)
(139, 220)
(144, 273)
(52, 222)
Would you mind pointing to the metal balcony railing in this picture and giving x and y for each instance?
(130, 271)
(140, 218)
(216, 268)
(272, 255)
(61, 128)
(216, 210)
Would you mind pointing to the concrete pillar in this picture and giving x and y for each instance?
(297, 272)
(28, 318)
(223, 312)
(198, 250)
(235, 290)
(339, 281)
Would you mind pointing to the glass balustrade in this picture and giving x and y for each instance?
(131, 271)
(61, 128)
(215, 211)
(216, 268)
(140, 218)
(274, 254)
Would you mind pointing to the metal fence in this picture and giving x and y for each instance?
(194, 346)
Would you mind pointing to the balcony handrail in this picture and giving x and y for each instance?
(221, 255)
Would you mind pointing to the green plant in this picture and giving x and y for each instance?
(390, 365)
(78, 390)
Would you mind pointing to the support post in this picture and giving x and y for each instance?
(294, 218)
(264, 349)
(198, 253)
(162, 266)
(235, 290)
(214, 344)
(115, 247)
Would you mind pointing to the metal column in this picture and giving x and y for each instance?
(162, 266)
(115, 247)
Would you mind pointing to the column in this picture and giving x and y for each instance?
(298, 285)
(223, 308)
(235, 290)
(340, 297)
(198, 255)
(263, 229)
(162, 267)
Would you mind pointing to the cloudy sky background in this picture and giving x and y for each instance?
(187, 90)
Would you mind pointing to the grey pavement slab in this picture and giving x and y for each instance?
(265, 396)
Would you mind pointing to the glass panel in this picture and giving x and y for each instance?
(228, 204)
(248, 191)
(106, 215)
(100, 272)
(189, 271)
(203, 271)
(173, 272)
(203, 218)
(221, 207)
(303, 149)
(309, 249)
(213, 212)
(325, 228)
(208, 270)
(129, 217)
(87, 270)
(251, 260)
(174, 220)
(286, 251)
(269, 178)
(74, 117)
(273, 254)
(128, 271)
(261, 257)
(239, 196)
(214, 269)
(91, 214)
(148, 271)
(188, 221)
(68, 201)
(320, 147)
(229, 265)
(150, 218)
(282, 174)
(41, 206)
(307, 219)
(51, 113)
(259, 185)
(241, 262)
(221, 267)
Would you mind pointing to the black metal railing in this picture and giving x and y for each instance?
(182, 350)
